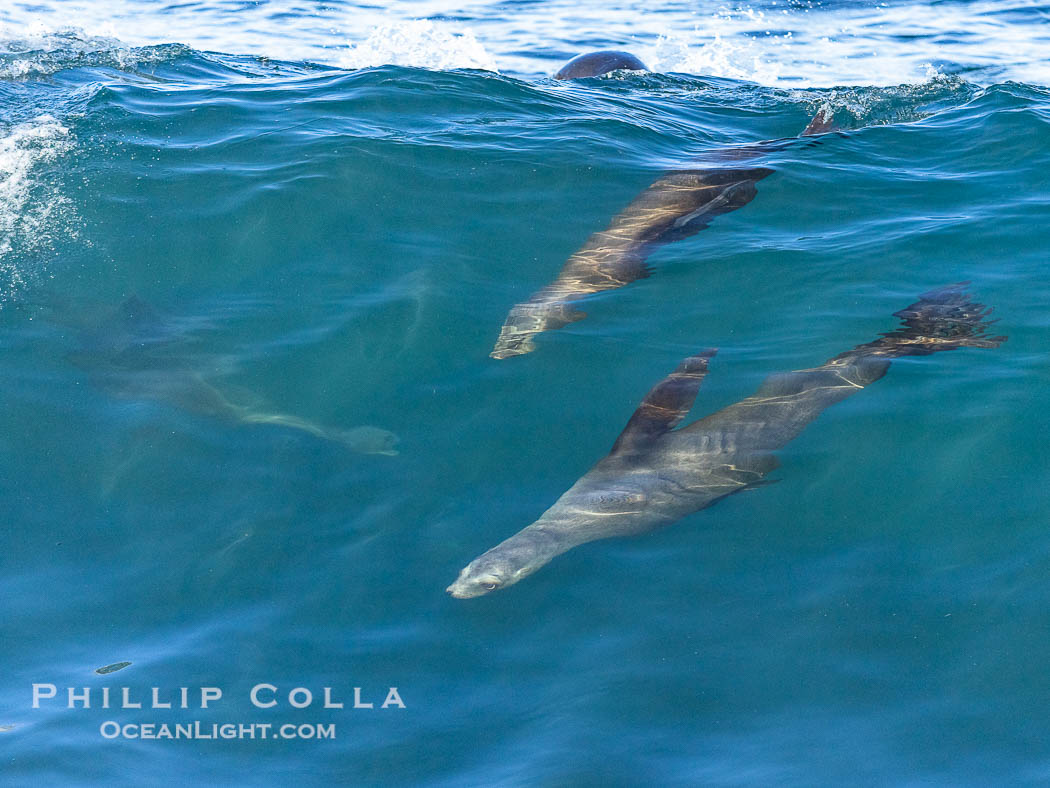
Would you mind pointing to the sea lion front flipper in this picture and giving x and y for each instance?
(822, 123)
(761, 483)
(732, 197)
(747, 470)
(664, 407)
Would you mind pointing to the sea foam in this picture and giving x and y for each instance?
(29, 207)
(421, 44)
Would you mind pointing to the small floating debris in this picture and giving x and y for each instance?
(6, 728)
(112, 668)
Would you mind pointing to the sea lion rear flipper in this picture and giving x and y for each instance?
(942, 319)
(664, 407)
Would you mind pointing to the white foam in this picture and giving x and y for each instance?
(718, 57)
(35, 36)
(419, 43)
(27, 209)
(861, 44)
(36, 50)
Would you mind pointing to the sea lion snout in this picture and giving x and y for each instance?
(467, 588)
(456, 592)
(485, 573)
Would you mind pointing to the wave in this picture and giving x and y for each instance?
(770, 43)
(169, 120)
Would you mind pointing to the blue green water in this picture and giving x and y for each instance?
(343, 245)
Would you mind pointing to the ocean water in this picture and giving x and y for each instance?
(231, 232)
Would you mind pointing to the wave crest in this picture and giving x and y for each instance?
(39, 52)
(419, 44)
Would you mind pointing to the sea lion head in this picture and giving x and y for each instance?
(367, 439)
(587, 511)
(527, 320)
(508, 562)
(487, 572)
(513, 342)
(596, 64)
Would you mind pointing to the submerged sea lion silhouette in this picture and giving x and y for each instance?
(126, 357)
(676, 206)
(656, 474)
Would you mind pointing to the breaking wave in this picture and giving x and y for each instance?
(32, 209)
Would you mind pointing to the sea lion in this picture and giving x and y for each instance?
(129, 356)
(657, 474)
(676, 206)
(596, 64)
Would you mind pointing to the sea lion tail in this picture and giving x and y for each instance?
(942, 319)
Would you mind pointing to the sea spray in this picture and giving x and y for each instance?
(29, 204)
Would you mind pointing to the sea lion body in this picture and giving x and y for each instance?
(675, 206)
(657, 474)
(130, 356)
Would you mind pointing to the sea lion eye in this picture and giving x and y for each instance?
(490, 586)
